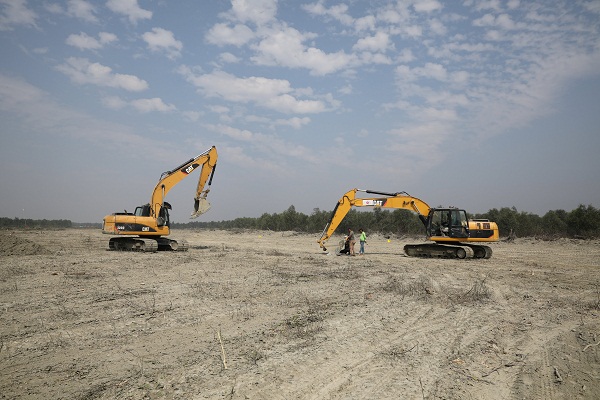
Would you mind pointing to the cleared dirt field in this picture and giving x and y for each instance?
(266, 315)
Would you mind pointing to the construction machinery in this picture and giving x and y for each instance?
(145, 229)
(452, 234)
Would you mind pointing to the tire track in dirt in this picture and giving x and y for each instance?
(538, 378)
(332, 372)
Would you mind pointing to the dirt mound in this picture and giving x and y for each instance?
(13, 245)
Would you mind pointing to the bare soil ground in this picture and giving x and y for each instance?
(265, 315)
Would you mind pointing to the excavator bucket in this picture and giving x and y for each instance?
(200, 207)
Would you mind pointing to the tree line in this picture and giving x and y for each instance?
(582, 222)
(28, 223)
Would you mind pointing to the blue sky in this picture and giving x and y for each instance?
(478, 104)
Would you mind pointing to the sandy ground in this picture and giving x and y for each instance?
(266, 315)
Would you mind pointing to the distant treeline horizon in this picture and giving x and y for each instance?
(582, 222)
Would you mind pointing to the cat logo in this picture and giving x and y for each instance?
(375, 203)
(188, 170)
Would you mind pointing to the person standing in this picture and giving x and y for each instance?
(363, 240)
(351, 242)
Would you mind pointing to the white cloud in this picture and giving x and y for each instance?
(15, 13)
(394, 14)
(513, 4)
(294, 122)
(284, 47)
(460, 77)
(273, 94)
(427, 6)
(130, 9)
(228, 58)
(162, 40)
(405, 56)
(85, 42)
(481, 5)
(368, 58)
(113, 102)
(219, 109)
(410, 30)
(15, 93)
(53, 8)
(348, 89)
(258, 12)
(439, 72)
(592, 6)
(366, 23)
(430, 70)
(193, 116)
(380, 42)
(275, 43)
(153, 104)
(222, 34)
(141, 105)
(437, 27)
(502, 21)
(82, 71)
(82, 9)
(338, 12)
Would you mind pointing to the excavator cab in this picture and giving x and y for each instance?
(448, 222)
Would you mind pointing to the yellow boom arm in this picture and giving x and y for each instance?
(349, 200)
(207, 161)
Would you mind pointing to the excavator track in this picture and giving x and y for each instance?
(458, 250)
(148, 245)
(133, 244)
(165, 244)
(480, 251)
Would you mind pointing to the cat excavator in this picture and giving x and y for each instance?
(452, 233)
(145, 229)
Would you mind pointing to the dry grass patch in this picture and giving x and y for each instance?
(421, 288)
(303, 324)
(478, 293)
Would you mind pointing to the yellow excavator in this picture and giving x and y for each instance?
(146, 228)
(452, 233)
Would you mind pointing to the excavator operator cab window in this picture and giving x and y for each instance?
(458, 224)
(435, 224)
(142, 211)
(448, 222)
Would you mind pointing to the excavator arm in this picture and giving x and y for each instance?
(207, 161)
(400, 200)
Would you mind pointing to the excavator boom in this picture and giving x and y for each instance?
(207, 161)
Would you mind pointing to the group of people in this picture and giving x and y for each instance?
(351, 241)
